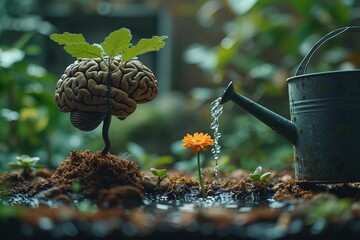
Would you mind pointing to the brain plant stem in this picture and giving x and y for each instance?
(107, 119)
(105, 135)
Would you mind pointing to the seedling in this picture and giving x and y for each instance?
(160, 173)
(258, 175)
(106, 79)
(26, 163)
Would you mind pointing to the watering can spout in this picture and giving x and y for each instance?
(278, 123)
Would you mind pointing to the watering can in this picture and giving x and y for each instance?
(325, 120)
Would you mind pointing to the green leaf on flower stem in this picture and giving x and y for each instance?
(265, 176)
(159, 172)
(258, 170)
(67, 38)
(117, 42)
(83, 50)
(144, 46)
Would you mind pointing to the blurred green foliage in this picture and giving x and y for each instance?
(27, 110)
(30, 122)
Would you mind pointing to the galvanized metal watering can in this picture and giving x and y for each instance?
(325, 120)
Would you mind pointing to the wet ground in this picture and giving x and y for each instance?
(93, 197)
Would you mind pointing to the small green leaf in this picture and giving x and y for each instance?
(117, 42)
(159, 172)
(258, 170)
(265, 176)
(144, 45)
(254, 177)
(14, 165)
(67, 38)
(83, 50)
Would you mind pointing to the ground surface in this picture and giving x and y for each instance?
(89, 196)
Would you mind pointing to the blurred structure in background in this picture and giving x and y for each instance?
(256, 44)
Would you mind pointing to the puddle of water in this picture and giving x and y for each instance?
(190, 202)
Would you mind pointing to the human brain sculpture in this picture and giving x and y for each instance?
(89, 90)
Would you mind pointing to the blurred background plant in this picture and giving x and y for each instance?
(256, 44)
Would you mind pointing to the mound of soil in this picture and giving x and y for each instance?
(95, 172)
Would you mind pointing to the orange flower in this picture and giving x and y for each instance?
(198, 141)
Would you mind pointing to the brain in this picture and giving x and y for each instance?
(88, 88)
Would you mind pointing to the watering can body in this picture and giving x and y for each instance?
(325, 108)
(325, 120)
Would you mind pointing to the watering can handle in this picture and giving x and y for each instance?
(304, 63)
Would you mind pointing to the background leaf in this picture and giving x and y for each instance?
(67, 38)
(83, 50)
(144, 45)
(117, 41)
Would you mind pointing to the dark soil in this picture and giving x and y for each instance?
(89, 196)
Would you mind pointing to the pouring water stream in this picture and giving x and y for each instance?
(216, 108)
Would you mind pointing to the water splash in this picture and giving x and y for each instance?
(216, 110)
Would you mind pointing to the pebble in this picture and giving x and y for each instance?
(149, 182)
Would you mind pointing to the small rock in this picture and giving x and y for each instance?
(165, 183)
(149, 182)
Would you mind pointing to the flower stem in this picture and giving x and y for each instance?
(202, 187)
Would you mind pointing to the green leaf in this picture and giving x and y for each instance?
(83, 50)
(14, 165)
(265, 176)
(159, 172)
(254, 177)
(258, 170)
(67, 38)
(117, 42)
(144, 45)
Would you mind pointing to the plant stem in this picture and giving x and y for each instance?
(105, 134)
(202, 187)
(107, 119)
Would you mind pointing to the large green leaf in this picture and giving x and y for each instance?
(144, 45)
(117, 42)
(83, 50)
(67, 38)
